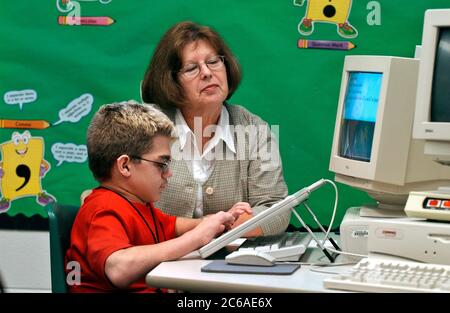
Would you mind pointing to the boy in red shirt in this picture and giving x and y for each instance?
(118, 235)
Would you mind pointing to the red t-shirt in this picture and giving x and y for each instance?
(106, 223)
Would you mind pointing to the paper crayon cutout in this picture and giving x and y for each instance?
(85, 20)
(325, 11)
(27, 124)
(21, 168)
(325, 44)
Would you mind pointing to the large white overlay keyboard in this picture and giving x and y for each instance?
(283, 247)
(383, 275)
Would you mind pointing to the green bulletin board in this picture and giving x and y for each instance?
(61, 60)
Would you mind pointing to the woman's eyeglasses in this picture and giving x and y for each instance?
(192, 70)
(164, 166)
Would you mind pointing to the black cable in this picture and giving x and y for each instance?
(2, 290)
(155, 238)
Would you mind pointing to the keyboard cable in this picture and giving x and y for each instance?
(322, 246)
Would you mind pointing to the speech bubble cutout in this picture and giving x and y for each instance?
(76, 109)
(20, 97)
(69, 152)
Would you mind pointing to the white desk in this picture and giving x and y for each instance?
(187, 275)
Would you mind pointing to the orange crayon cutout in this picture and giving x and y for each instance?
(28, 124)
(85, 20)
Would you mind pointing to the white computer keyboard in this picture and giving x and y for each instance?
(283, 247)
(379, 275)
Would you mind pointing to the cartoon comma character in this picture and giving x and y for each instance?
(327, 11)
(21, 168)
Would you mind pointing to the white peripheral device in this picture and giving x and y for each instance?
(286, 204)
(257, 258)
(387, 275)
(394, 143)
(390, 142)
(354, 230)
(413, 239)
(266, 250)
(432, 205)
(432, 116)
(372, 147)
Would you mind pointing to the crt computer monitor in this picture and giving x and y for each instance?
(372, 147)
(432, 117)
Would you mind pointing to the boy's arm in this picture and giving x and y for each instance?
(126, 266)
(184, 224)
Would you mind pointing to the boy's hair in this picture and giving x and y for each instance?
(123, 128)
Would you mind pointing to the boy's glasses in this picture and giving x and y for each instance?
(163, 166)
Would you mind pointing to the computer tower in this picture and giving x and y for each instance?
(354, 231)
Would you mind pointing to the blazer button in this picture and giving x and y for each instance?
(209, 190)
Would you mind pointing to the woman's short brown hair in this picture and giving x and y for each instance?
(161, 85)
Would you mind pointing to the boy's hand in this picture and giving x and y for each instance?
(212, 225)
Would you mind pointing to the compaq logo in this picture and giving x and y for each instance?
(429, 130)
(360, 233)
(389, 233)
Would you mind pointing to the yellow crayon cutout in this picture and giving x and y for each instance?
(27, 124)
(85, 20)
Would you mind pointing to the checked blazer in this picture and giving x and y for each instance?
(254, 174)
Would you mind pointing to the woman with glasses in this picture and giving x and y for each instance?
(224, 155)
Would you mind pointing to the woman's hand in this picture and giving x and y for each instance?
(238, 209)
(242, 212)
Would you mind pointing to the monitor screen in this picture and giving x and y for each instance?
(432, 113)
(440, 95)
(359, 115)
